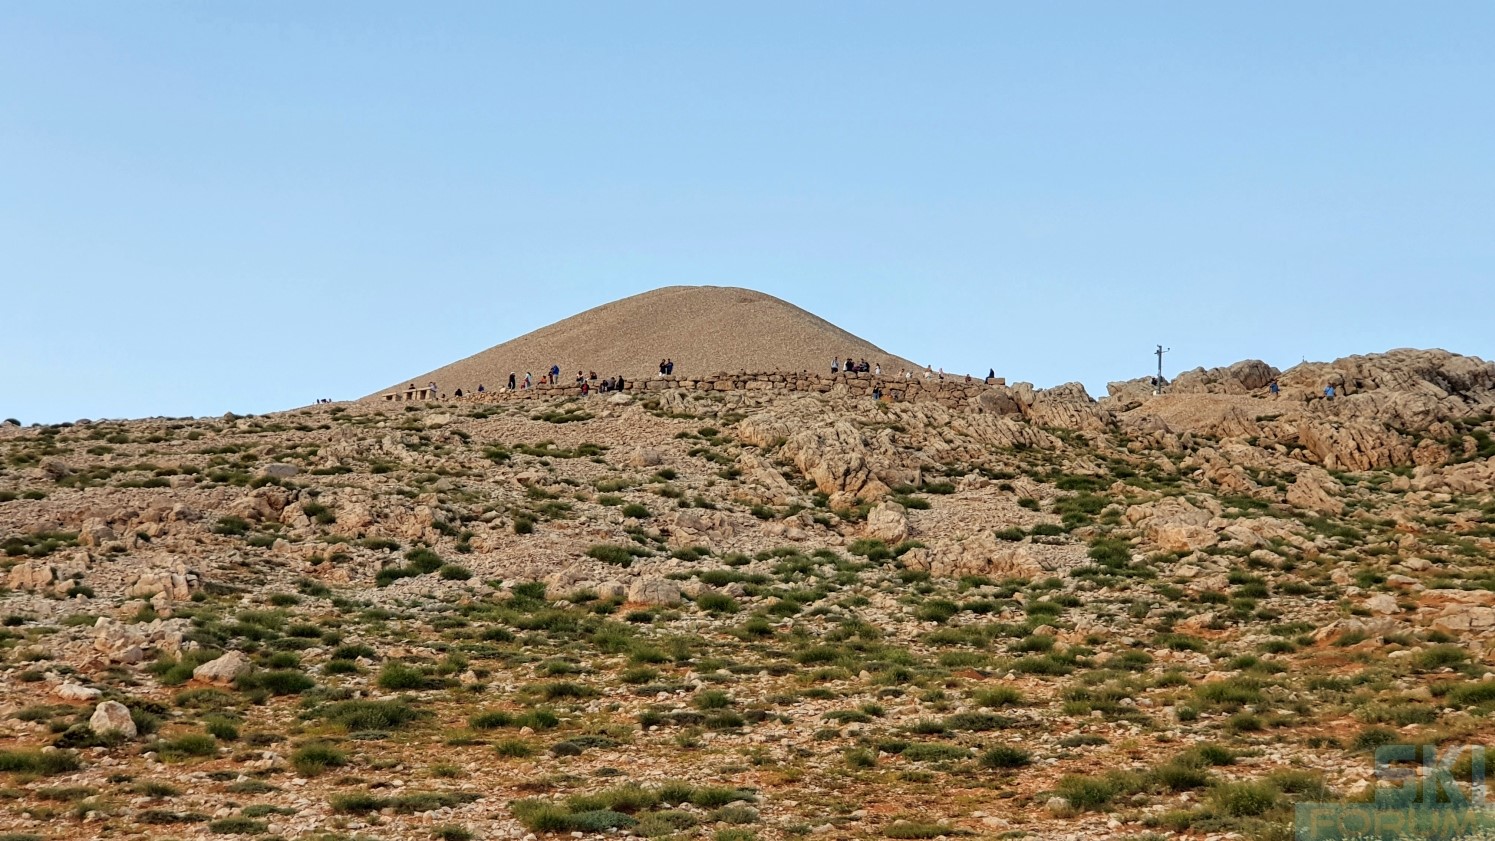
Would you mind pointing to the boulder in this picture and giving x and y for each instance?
(95, 533)
(75, 692)
(112, 717)
(887, 522)
(224, 670)
(279, 470)
(651, 590)
(642, 457)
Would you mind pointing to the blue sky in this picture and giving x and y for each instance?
(234, 206)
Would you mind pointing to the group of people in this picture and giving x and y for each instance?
(666, 367)
(852, 367)
(587, 380)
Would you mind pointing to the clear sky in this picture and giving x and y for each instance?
(244, 206)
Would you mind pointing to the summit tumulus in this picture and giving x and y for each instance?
(705, 329)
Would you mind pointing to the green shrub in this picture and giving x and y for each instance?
(356, 803)
(1005, 756)
(1088, 793)
(316, 758)
(238, 825)
(1244, 799)
(45, 763)
(609, 553)
(454, 572)
(718, 603)
(276, 682)
(513, 748)
(397, 676)
(635, 510)
(357, 716)
(1471, 694)
(185, 745)
(916, 829)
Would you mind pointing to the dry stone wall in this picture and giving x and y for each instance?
(951, 392)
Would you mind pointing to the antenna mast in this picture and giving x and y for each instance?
(1157, 384)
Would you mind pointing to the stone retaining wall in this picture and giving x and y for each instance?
(950, 391)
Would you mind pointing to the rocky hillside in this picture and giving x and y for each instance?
(744, 614)
(704, 329)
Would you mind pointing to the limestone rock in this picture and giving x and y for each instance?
(643, 457)
(75, 692)
(279, 470)
(223, 670)
(112, 717)
(176, 582)
(32, 575)
(694, 525)
(651, 590)
(1316, 490)
(887, 522)
(95, 533)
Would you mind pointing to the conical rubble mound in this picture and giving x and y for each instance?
(703, 329)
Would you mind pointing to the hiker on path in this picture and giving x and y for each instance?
(527, 380)
(1274, 388)
(511, 381)
(1329, 392)
(835, 365)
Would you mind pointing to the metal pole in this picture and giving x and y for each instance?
(1157, 387)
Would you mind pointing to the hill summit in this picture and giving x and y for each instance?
(704, 329)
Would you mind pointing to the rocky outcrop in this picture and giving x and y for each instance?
(1316, 490)
(982, 555)
(694, 526)
(839, 459)
(1241, 378)
(1175, 524)
(174, 582)
(135, 643)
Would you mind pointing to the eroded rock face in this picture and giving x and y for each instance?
(135, 643)
(1316, 490)
(981, 555)
(691, 526)
(174, 582)
(839, 460)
